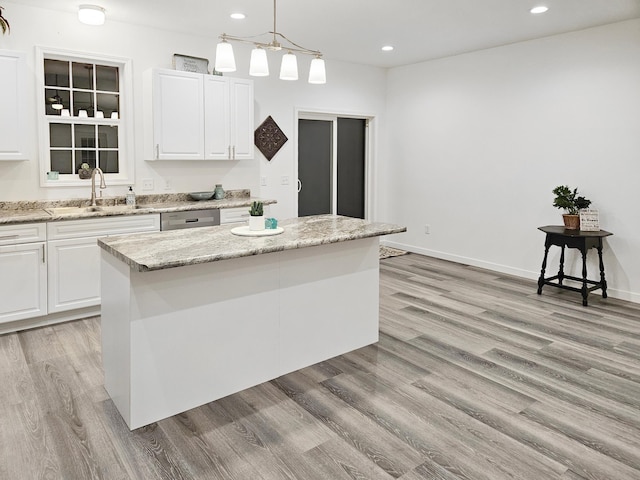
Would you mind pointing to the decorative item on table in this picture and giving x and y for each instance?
(130, 199)
(53, 175)
(218, 193)
(269, 138)
(589, 220)
(270, 223)
(201, 195)
(84, 171)
(572, 203)
(186, 63)
(256, 218)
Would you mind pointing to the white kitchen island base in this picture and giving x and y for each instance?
(178, 338)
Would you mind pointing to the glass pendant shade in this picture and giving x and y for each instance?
(317, 73)
(289, 67)
(225, 61)
(91, 15)
(258, 66)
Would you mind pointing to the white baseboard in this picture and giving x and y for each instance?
(496, 267)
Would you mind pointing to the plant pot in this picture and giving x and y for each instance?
(571, 222)
(256, 223)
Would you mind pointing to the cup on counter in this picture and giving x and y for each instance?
(270, 223)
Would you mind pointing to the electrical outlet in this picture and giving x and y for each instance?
(167, 184)
(284, 180)
(147, 184)
(427, 229)
(263, 181)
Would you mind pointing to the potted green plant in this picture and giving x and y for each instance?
(256, 218)
(572, 203)
(4, 23)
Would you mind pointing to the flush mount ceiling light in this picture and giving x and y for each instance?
(238, 16)
(91, 14)
(258, 65)
(387, 48)
(539, 9)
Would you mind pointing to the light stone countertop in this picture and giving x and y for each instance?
(40, 211)
(176, 248)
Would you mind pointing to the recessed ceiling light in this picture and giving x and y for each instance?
(387, 48)
(238, 16)
(539, 9)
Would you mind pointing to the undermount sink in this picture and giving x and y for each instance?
(98, 208)
(71, 210)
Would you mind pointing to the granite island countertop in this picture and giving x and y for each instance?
(44, 211)
(176, 248)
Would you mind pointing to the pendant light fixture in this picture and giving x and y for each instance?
(259, 67)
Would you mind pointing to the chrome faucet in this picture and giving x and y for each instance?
(93, 184)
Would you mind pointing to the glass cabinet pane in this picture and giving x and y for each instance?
(82, 75)
(61, 161)
(109, 161)
(108, 103)
(56, 73)
(107, 78)
(82, 101)
(60, 135)
(107, 136)
(85, 136)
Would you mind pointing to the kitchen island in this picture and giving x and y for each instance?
(191, 316)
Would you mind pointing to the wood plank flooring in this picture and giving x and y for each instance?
(475, 377)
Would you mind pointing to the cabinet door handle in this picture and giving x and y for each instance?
(299, 186)
(157, 151)
(229, 150)
(44, 254)
(9, 237)
(233, 157)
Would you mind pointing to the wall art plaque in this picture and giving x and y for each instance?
(269, 138)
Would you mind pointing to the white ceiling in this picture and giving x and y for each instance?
(355, 30)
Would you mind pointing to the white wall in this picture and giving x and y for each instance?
(478, 141)
(350, 88)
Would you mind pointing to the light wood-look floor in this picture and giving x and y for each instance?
(475, 377)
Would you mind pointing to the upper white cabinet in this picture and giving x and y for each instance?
(201, 117)
(228, 118)
(178, 115)
(13, 124)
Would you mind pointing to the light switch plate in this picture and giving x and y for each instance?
(147, 184)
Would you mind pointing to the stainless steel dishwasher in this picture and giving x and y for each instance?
(189, 219)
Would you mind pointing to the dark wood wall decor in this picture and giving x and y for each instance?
(269, 138)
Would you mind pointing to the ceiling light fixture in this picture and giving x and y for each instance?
(238, 16)
(91, 14)
(387, 48)
(539, 9)
(258, 65)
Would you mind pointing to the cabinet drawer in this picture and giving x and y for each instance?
(23, 233)
(103, 226)
(234, 215)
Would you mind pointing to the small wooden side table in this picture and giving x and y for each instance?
(583, 241)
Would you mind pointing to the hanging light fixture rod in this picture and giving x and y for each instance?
(225, 61)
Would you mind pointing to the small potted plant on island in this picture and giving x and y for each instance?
(572, 203)
(256, 219)
(4, 23)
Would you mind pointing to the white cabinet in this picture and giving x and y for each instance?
(74, 257)
(178, 115)
(201, 117)
(228, 118)
(23, 272)
(234, 215)
(13, 113)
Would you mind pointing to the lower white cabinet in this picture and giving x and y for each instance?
(74, 257)
(23, 272)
